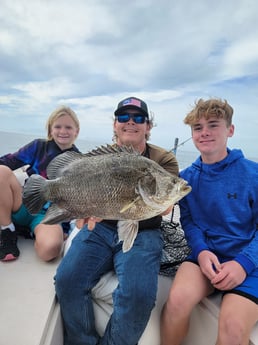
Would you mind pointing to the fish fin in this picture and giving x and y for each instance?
(131, 204)
(127, 232)
(55, 215)
(145, 195)
(151, 202)
(33, 193)
(101, 150)
(57, 167)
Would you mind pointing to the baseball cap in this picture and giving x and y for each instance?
(132, 103)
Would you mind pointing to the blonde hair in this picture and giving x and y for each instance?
(58, 112)
(210, 108)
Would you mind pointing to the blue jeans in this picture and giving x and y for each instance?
(92, 254)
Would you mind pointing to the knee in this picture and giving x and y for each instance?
(63, 281)
(178, 304)
(140, 299)
(5, 174)
(231, 331)
(48, 241)
(49, 254)
(5, 171)
(147, 300)
(48, 251)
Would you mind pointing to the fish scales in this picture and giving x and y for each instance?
(104, 192)
(106, 183)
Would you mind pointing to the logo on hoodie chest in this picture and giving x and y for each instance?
(232, 195)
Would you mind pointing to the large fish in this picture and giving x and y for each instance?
(110, 183)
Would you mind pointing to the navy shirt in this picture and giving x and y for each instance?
(38, 154)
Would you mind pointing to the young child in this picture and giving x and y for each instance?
(62, 130)
(220, 218)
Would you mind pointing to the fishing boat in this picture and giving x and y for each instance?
(30, 313)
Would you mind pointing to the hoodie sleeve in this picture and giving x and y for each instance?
(19, 158)
(248, 257)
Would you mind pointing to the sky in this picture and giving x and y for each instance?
(90, 54)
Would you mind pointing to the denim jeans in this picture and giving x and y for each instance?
(92, 254)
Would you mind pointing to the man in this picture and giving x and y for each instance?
(220, 219)
(94, 253)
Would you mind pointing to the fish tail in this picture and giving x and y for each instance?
(33, 193)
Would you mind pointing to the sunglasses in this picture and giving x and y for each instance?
(137, 118)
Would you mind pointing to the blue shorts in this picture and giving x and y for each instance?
(249, 287)
(24, 218)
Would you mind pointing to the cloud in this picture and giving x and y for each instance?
(91, 54)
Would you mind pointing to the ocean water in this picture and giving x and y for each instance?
(11, 142)
(185, 158)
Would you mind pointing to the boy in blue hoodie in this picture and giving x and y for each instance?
(220, 220)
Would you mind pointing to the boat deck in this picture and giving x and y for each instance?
(27, 299)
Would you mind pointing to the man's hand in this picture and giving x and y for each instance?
(90, 221)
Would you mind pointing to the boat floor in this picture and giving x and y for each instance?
(27, 298)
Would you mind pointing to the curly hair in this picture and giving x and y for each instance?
(210, 108)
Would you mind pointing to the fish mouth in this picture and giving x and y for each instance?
(182, 190)
(184, 187)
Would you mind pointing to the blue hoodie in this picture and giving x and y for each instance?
(221, 212)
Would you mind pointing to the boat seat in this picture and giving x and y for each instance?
(204, 320)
